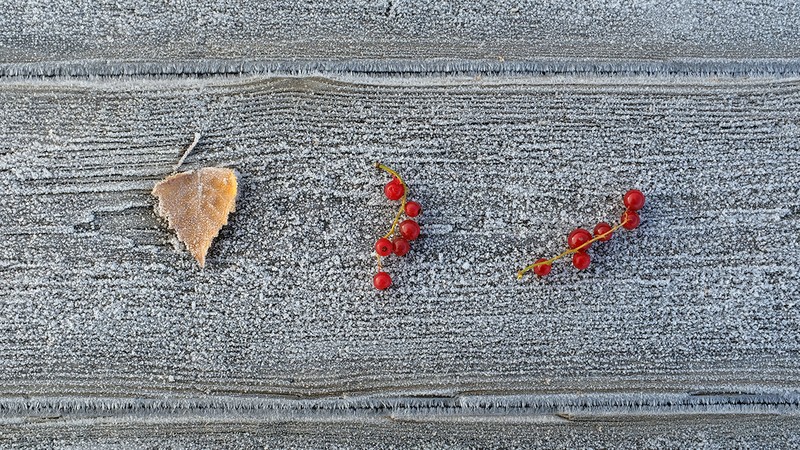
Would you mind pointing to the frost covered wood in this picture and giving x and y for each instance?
(512, 131)
(595, 37)
(507, 167)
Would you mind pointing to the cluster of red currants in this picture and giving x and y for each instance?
(408, 229)
(579, 240)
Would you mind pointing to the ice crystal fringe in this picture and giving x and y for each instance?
(579, 406)
(405, 67)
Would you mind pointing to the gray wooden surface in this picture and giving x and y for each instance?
(681, 432)
(91, 37)
(683, 333)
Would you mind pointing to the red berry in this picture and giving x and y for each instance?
(394, 189)
(381, 281)
(581, 260)
(633, 199)
(579, 237)
(409, 229)
(413, 209)
(542, 269)
(601, 229)
(384, 247)
(630, 220)
(401, 246)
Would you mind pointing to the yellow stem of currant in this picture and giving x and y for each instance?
(527, 269)
(402, 199)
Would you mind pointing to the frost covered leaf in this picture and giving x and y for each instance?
(196, 204)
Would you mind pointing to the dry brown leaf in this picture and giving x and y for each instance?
(196, 204)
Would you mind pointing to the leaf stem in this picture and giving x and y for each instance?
(186, 152)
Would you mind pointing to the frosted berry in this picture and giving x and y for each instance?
(403, 228)
(394, 189)
(581, 260)
(409, 229)
(630, 220)
(578, 237)
(601, 229)
(401, 246)
(381, 281)
(633, 199)
(542, 269)
(413, 209)
(384, 247)
(579, 240)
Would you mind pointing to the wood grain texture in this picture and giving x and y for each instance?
(512, 121)
(97, 301)
(88, 37)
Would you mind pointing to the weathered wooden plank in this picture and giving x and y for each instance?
(690, 432)
(90, 37)
(95, 300)
(682, 334)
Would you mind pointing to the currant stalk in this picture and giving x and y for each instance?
(402, 199)
(408, 229)
(579, 240)
(581, 248)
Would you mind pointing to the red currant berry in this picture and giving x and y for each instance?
(542, 269)
(409, 229)
(413, 209)
(630, 220)
(401, 246)
(581, 260)
(633, 199)
(381, 281)
(394, 189)
(579, 237)
(384, 247)
(602, 228)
